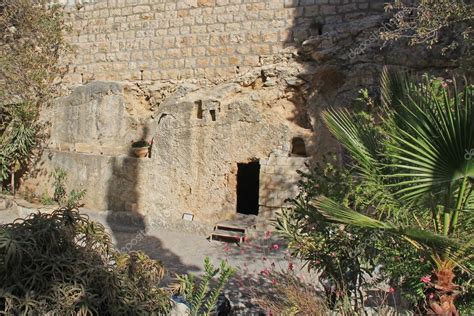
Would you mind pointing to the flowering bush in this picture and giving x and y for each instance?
(345, 257)
(350, 260)
(272, 279)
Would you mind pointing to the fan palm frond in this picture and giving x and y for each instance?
(337, 213)
(361, 144)
(430, 151)
(395, 88)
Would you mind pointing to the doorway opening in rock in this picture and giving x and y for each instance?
(248, 185)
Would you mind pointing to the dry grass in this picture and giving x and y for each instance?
(289, 296)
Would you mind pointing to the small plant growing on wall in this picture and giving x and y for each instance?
(60, 194)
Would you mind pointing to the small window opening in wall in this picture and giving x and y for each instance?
(82, 78)
(141, 75)
(298, 147)
(320, 29)
(213, 115)
(317, 26)
(199, 109)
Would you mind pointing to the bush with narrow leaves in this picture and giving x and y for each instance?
(63, 264)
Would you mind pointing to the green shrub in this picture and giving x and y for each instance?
(201, 296)
(46, 199)
(64, 264)
(31, 43)
(344, 256)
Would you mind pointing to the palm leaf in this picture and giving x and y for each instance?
(395, 87)
(430, 151)
(337, 213)
(361, 144)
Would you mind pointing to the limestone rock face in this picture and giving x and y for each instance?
(200, 136)
(95, 119)
(219, 144)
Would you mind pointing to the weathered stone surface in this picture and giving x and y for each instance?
(212, 84)
(96, 119)
(188, 39)
(199, 136)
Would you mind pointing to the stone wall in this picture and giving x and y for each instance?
(213, 84)
(279, 180)
(96, 119)
(168, 39)
(200, 135)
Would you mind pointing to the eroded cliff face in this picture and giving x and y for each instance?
(203, 137)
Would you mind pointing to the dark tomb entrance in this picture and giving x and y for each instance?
(248, 185)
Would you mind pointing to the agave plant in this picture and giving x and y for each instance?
(423, 166)
(61, 263)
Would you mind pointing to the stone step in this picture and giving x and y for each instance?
(227, 235)
(230, 227)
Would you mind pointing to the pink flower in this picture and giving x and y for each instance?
(274, 282)
(426, 279)
(391, 290)
(265, 272)
(246, 238)
(267, 235)
(431, 296)
(276, 246)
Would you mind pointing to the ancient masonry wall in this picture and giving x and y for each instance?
(152, 69)
(168, 39)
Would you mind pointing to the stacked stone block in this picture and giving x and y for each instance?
(279, 179)
(168, 39)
